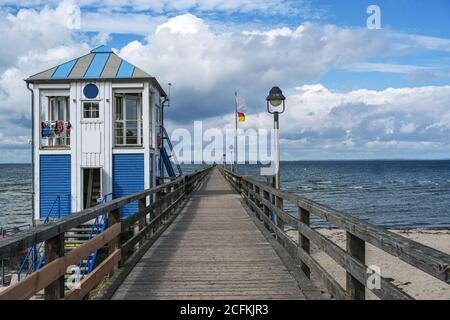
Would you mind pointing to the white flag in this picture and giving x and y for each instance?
(240, 103)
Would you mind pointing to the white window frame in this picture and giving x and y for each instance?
(124, 120)
(47, 114)
(91, 102)
(66, 112)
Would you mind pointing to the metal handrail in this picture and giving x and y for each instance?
(35, 251)
(99, 221)
(166, 137)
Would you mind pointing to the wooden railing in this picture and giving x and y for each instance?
(157, 209)
(263, 199)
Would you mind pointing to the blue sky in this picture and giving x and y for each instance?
(352, 92)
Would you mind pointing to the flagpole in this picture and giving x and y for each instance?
(236, 132)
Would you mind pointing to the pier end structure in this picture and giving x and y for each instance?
(95, 124)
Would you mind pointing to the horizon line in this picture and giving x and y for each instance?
(300, 160)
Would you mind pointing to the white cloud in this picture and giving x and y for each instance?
(112, 22)
(266, 7)
(416, 118)
(386, 68)
(184, 24)
(34, 31)
(32, 41)
(206, 67)
(321, 123)
(408, 127)
(408, 42)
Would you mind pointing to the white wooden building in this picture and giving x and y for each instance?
(96, 120)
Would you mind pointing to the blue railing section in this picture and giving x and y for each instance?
(100, 224)
(166, 157)
(33, 253)
(31, 264)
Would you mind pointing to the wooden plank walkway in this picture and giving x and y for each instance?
(213, 250)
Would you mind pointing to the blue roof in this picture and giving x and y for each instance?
(100, 63)
(97, 65)
(125, 70)
(63, 70)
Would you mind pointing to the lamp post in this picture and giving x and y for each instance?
(276, 105)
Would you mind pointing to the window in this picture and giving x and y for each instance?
(91, 110)
(55, 122)
(128, 120)
(58, 109)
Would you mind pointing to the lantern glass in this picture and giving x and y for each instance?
(276, 102)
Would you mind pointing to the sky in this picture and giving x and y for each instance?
(353, 91)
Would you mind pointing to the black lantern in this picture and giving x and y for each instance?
(275, 99)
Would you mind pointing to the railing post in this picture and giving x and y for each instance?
(278, 202)
(266, 210)
(356, 247)
(54, 249)
(165, 205)
(113, 218)
(303, 241)
(143, 221)
(258, 203)
(158, 210)
(173, 197)
(185, 187)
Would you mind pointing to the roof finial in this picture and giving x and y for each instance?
(102, 49)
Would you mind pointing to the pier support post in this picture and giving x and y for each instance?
(54, 249)
(113, 218)
(303, 241)
(356, 247)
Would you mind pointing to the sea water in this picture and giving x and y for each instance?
(395, 194)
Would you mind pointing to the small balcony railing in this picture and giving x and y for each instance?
(55, 134)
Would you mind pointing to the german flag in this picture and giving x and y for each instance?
(241, 116)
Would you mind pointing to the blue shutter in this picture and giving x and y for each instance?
(55, 186)
(128, 178)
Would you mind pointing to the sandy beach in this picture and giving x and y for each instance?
(413, 281)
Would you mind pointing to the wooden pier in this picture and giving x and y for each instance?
(214, 235)
(213, 250)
